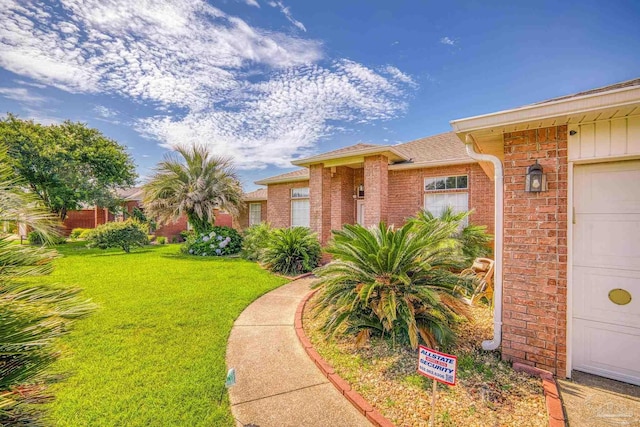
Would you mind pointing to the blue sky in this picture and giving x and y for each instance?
(266, 82)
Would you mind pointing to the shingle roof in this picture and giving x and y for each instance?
(621, 85)
(437, 148)
(133, 193)
(296, 175)
(259, 194)
(344, 150)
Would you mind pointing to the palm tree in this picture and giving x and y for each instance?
(31, 316)
(394, 282)
(195, 185)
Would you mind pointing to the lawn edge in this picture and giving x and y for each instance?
(555, 410)
(364, 407)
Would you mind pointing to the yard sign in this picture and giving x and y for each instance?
(438, 366)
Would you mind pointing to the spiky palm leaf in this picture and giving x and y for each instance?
(193, 183)
(394, 282)
(292, 251)
(31, 317)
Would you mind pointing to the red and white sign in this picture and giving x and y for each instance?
(438, 366)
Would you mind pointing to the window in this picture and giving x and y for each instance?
(442, 192)
(255, 213)
(446, 183)
(300, 207)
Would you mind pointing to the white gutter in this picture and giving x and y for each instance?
(498, 239)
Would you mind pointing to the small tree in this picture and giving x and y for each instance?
(124, 235)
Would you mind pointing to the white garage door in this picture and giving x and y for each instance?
(606, 270)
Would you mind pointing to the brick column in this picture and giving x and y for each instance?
(342, 202)
(535, 251)
(320, 201)
(376, 184)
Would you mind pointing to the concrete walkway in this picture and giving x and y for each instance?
(277, 383)
(592, 401)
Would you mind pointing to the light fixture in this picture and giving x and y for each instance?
(361, 190)
(536, 181)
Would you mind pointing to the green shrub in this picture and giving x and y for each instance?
(76, 232)
(470, 241)
(85, 234)
(255, 241)
(393, 282)
(124, 235)
(292, 251)
(36, 238)
(219, 241)
(161, 240)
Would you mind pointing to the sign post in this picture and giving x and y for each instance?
(439, 367)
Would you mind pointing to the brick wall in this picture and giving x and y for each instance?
(376, 185)
(342, 201)
(320, 201)
(407, 190)
(172, 230)
(242, 221)
(535, 251)
(279, 202)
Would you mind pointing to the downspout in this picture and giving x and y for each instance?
(498, 239)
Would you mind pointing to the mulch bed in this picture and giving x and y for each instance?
(488, 392)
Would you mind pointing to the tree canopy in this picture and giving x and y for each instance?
(194, 184)
(68, 164)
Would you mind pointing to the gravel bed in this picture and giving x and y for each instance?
(488, 392)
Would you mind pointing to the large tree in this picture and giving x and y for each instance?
(66, 165)
(193, 183)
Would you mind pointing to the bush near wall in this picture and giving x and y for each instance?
(219, 241)
(255, 241)
(77, 232)
(292, 251)
(124, 235)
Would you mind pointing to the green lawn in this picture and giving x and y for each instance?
(153, 353)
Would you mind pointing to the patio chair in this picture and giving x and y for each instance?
(482, 270)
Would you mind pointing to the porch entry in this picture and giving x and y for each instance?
(360, 212)
(606, 270)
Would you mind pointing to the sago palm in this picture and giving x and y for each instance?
(292, 251)
(192, 183)
(31, 316)
(391, 282)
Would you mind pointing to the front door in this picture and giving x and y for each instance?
(606, 270)
(360, 212)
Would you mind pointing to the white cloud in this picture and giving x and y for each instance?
(105, 112)
(448, 41)
(261, 96)
(253, 3)
(22, 95)
(287, 14)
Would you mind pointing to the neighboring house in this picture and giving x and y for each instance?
(367, 183)
(132, 198)
(571, 264)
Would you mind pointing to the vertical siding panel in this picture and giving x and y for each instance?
(633, 135)
(603, 139)
(587, 141)
(574, 142)
(618, 137)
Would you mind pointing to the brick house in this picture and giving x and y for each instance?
(568, 297)
(366, 184)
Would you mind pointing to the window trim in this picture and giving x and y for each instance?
(259, 213)
(299, 199)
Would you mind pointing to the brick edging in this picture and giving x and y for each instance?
(364, 407)
(551, 393)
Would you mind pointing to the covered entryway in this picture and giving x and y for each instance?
(606, 270)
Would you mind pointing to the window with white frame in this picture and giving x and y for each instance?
(255, 213)
(300, 207)
(446, 191)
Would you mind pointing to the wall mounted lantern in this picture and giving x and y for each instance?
(361, 190)
(536, 181)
